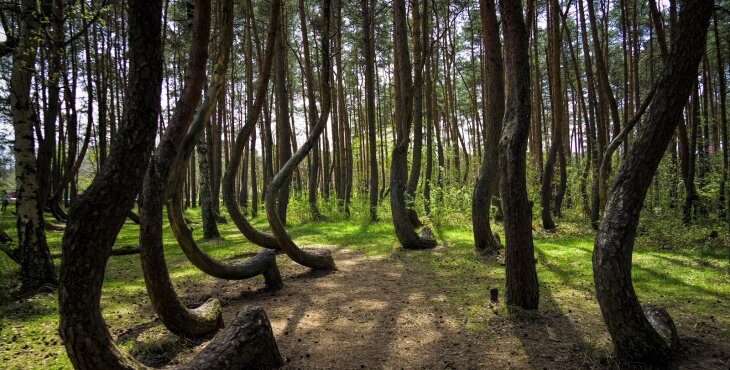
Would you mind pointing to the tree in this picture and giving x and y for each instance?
(635, 338)
(229, 198)
(96, 218)
(369, 51)
(556, 104)
(309, 78)
(484, 240)
(521, 286)
(283, 130)
(419, 56)
(321, 260)
(36, 267)
(399, 165)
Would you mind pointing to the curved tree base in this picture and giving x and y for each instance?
(493, 249)
(662, 322)
(247, 343)
(263, 263)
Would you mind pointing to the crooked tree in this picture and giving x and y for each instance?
(634, 336)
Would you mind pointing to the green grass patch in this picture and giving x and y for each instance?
(686, 271)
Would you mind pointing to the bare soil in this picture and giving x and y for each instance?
(385, 312)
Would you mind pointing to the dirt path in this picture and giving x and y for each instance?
(382, 313)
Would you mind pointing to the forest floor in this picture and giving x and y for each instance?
(387, 307)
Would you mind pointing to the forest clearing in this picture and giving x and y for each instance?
(230, 184)
(387, 307)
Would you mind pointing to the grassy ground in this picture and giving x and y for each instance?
(683, 269)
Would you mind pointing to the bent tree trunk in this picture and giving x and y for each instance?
(634, 337)
(229, 196)
(263, 263)
(399, 165)
(96, 218)
(319, 260)
(168, 163)
(484, 241)
(36, 268)
(521, 286)
(418, 60)
(172, 311)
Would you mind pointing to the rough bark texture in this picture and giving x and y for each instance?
(369, 50)
(399, 165)
(247, 343)
(309, 81)
(321, 260)
(633, 336)
(484, 241)
(96, 218)
(283, 130)
(521, 284)
(263, 263)
(171, 310)
(210, 222)
(36, 268)
(418, 58)
(556, 107)
(229, 198)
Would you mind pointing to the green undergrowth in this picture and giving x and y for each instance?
(682, 268)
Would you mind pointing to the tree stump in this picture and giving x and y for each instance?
(426, 233)
(663, 324)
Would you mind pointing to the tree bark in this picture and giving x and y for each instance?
(283, 130)
(634, 337)
(369, 50)
(313, 180)
(36, 267)
(399, 165)
(521, 286)
(96, 218)
(321, 260)
(555, 46)
(723, 212)
(418, 60)
(484, 240)
(172, 311)
(229, 198)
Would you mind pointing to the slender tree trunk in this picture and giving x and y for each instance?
(399, 166)
(267, 61)
(210, 221)
(36, 267)
(689, 183)
(369, 49)
(313, 180)
(556, 102)
(484, 241)
(418, 59)
(521, 286)
(47, 146)
(283, 130)
(722, 210)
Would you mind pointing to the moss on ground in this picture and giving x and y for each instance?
(684, 269)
